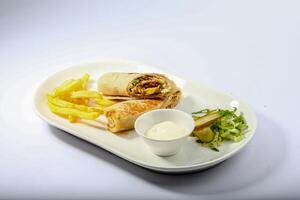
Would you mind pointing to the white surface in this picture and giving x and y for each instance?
(248, 48)
(195, 96)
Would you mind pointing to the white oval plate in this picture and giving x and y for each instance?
(131, 147)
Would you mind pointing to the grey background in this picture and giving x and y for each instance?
(247, 48)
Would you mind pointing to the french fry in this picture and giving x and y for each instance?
(96, 109)
(71, 100)
(72, 118)
(63, 85)
(59, 89)
(85, 101)
(63, 116)
(79, 101)
(76, 101)
(66, 82)
(86, 94)
(104, 102)
(65, 104)
(73, 112)
(74, 85)
(85, 80)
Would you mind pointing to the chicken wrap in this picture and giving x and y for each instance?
(121, 116)
(135, 85)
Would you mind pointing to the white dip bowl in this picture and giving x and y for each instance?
(164, 147)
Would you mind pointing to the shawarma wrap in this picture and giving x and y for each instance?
(135, 85)
(121, 116)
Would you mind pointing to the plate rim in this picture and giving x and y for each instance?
(173, 169)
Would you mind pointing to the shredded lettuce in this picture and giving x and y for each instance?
(230, 126)
(135, 81)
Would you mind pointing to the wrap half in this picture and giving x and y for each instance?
(121, 116)
(135, 85)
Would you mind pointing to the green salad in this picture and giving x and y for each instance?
(212, 127)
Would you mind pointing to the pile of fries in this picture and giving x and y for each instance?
(72, 100)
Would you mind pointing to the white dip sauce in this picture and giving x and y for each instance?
(166, 130)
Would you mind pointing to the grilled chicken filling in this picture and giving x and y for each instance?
(147, 86)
